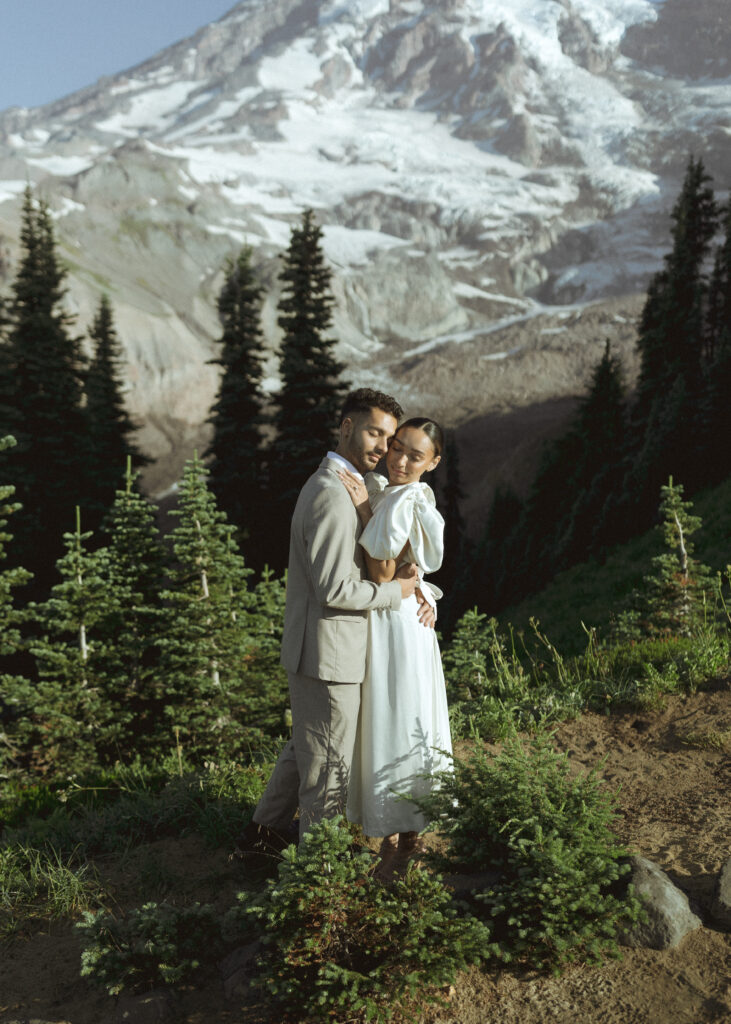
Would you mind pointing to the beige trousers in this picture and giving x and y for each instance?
(313, 769)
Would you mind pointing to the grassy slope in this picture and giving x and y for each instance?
(591, 592)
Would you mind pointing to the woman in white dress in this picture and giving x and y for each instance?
(403, 730)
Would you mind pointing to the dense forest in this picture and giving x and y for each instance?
(598, 484)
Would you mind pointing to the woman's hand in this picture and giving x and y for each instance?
(358, 492)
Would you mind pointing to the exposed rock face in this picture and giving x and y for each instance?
(478, 168)
(669, 917)
(691, 38)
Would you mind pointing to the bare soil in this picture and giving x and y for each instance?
(673, 769)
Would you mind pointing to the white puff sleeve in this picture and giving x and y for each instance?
(406, 513)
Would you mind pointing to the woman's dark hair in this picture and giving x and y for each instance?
(432, 430)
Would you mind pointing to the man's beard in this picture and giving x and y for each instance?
(365, 460)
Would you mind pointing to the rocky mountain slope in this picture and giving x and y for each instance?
(493, 176)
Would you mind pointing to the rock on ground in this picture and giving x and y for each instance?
(669, 917)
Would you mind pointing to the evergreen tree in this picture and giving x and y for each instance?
(532, 555)
(307, 407)
(75, 718)
(10, 579)
(267, 686)
(651, 343)
(110, 427)
(491, 580)
(452, 578)
(236, 416)
(600, 427)
(133, 570)
(717, 451)
(525, 545)
(41, 403)
(207, 640)
(716, 322)
(10, 621)
(677, 596)
(673, 345)
(671, 331)
(669, 437)
(6, 370)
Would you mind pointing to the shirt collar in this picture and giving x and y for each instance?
(345, 464)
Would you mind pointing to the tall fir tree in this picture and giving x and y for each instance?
(236, 415)
(110, 427)
(525, 544)
(207, 640)
(677, 598)
(41, 405)
(11, 642)
(134, 569)
(670, 339)
(681, 589)
(307, 406)
(267, 688)
(6, 369)
(75, 716)
(490, 581)
(601, 430)
(672, 342)
(717, 450)
(533, 544)
(458, 551)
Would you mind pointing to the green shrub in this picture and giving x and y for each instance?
(639, 673)
(493, 694)
(479, 662)
(340, 945)
(548, 835)
(155, 943)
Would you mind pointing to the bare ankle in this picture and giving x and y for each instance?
(408, 840)
(389, 844)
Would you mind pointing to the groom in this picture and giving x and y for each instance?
(325, 631)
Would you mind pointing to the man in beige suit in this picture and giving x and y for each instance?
(326, 629)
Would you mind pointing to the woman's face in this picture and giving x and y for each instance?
(410, 454)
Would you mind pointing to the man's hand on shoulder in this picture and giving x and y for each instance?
(409, 580)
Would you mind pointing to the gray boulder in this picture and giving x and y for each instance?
(669, 917)
(721, 906)
(236, 969)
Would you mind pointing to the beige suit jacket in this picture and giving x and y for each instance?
(328, 597)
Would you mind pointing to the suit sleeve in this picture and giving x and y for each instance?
(329, 540)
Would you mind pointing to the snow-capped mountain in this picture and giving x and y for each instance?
(483, 169)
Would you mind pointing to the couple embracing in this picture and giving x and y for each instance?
(369, 708)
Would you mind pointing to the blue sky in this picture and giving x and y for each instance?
(49, 48)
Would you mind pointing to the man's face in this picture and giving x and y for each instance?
(364, 438)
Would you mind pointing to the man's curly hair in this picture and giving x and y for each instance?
(365, 399)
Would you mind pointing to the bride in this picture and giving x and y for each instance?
(403, 732)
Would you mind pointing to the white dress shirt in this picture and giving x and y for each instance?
(345, 464)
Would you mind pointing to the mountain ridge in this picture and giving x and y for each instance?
(477, 168)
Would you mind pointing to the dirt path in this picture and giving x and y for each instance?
(676, 810)
(675, 801)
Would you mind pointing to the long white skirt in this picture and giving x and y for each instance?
(404, 724)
